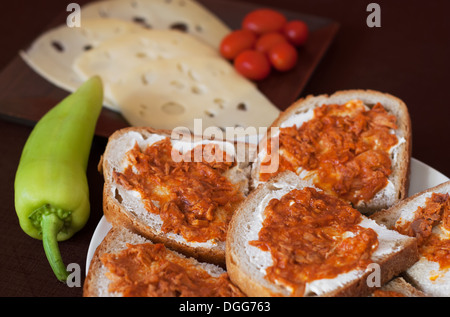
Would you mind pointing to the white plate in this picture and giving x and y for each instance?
(422, 177)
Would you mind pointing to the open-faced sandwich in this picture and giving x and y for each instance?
(425, 216)
(126, 264)
(290, 238)
(179, 192)
(354, 144)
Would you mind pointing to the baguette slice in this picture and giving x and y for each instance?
(424, 275)
(301, 111)
(125, 208)
(97, 282)
(246, 264)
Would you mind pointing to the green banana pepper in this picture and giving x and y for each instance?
(51, 189)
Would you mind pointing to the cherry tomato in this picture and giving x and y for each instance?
(297, 32)
(252, 64)
(237, 42)
(264, 20)
(266, 41)
(283, 56)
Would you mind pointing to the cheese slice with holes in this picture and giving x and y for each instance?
(117, 56)
(171, 93)
(186, 15)
(52, 54)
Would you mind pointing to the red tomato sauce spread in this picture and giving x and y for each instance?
(193, 198)
(436, 211)
(346, 146)
(312, 235)
(149, 270)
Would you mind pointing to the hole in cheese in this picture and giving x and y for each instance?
(172, 108)
(142, 22)
(242, 106)
(177, 84)
(58, 46)
(220, 102)
(209, 113)
(180, 26)
(103, 13)
(141, 55)
(198, 90)
(199, 28)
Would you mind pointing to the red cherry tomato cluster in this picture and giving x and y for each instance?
(267, 39)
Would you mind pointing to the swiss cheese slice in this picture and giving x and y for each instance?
(115, 57)
(52, 54)
(167, 94)
(186, 15)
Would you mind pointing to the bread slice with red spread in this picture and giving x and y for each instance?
(426, 216)
(126, 264)
(355, 144)
(177, 191)
(291, 239)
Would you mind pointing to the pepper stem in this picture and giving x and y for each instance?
(51, 225)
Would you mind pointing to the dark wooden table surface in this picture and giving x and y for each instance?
(408, 56)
